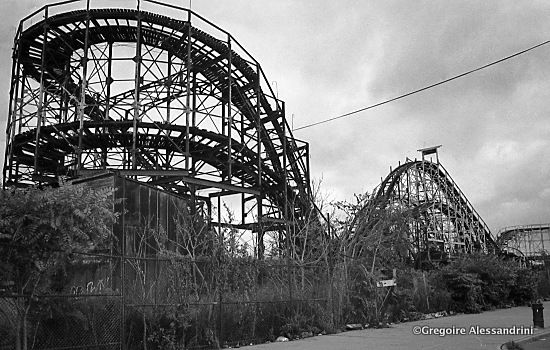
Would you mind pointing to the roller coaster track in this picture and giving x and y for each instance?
(440, 216)
(529, 241)
(157, 98)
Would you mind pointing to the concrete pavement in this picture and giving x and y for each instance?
(400, 336)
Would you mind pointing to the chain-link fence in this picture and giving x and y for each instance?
(169, 278)
(129, 302)
(216, 302)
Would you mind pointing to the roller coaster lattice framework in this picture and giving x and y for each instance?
(155, 98)
(531, 242)
(441, 221)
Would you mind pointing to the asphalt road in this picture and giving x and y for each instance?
(400, 336)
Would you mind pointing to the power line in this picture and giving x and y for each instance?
(422, 89)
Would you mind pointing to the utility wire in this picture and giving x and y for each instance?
(422, 89)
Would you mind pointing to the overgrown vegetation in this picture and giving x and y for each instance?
(220, 294)
(199, 286)
(40, 229)
(380, 243)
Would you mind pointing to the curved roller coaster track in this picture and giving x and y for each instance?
(441, 220)
(527, 241)
(173, 101)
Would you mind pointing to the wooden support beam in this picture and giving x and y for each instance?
(182, 175)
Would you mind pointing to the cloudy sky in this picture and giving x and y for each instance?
(331, 57)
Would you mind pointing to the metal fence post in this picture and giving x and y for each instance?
(220, 311)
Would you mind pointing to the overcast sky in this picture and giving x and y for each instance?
(332, 57)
